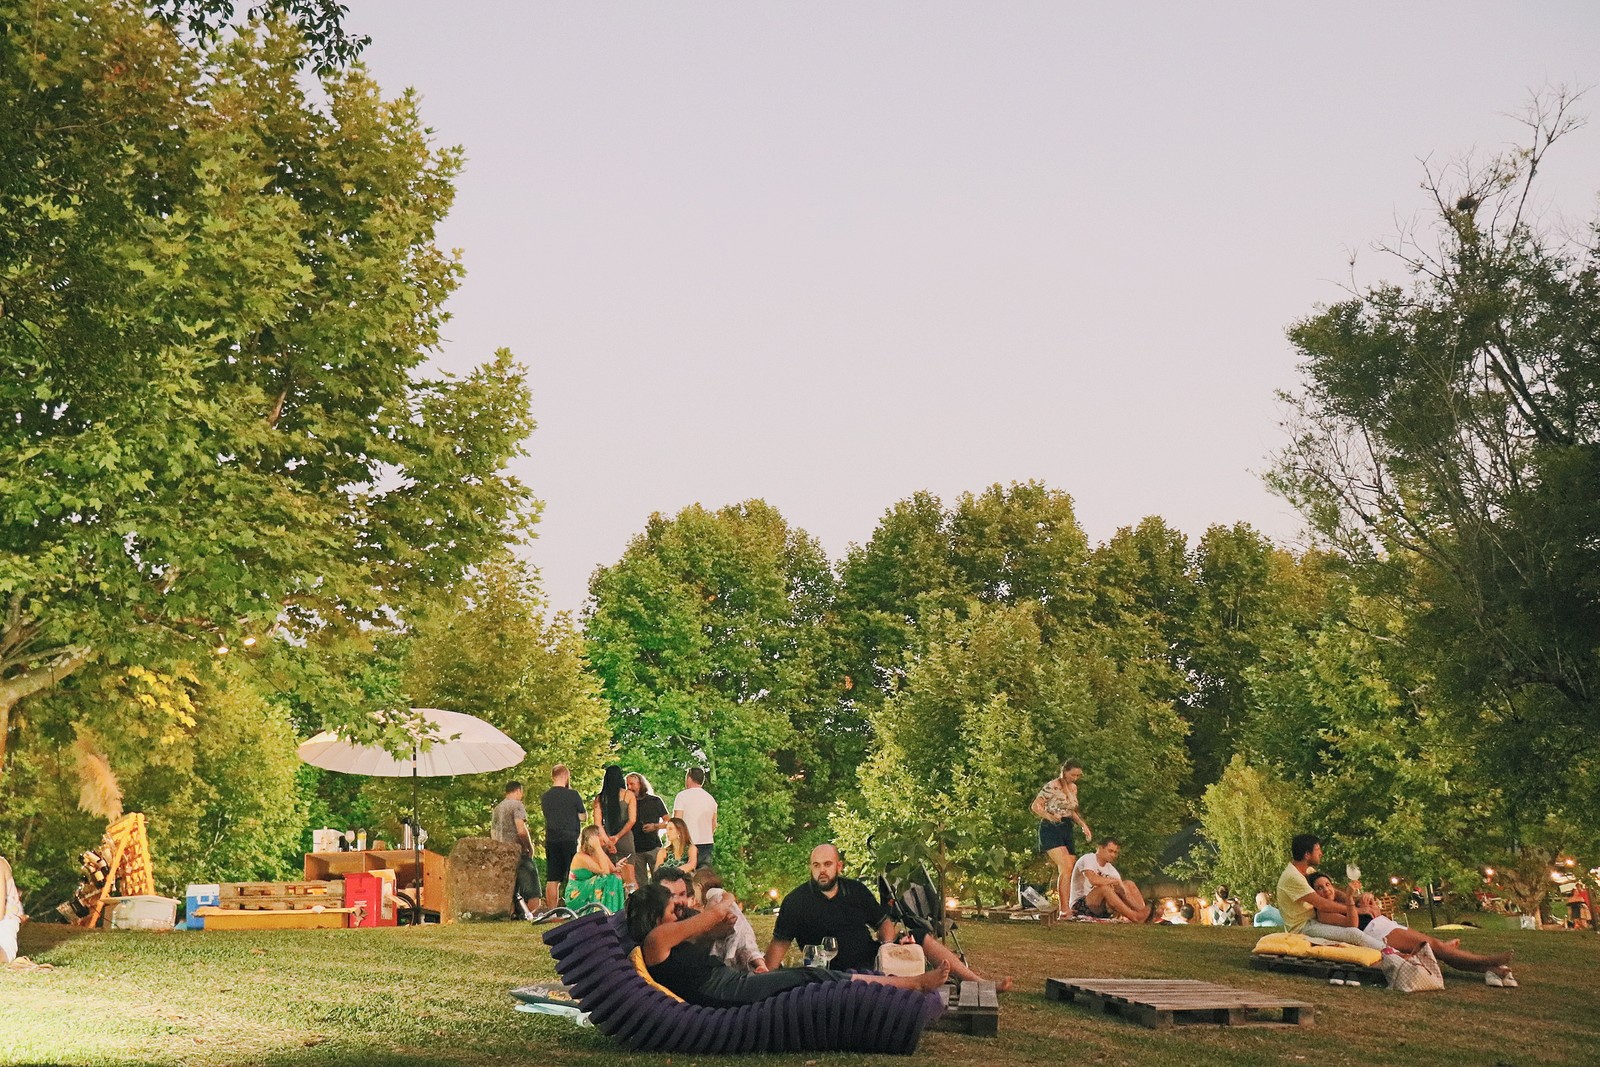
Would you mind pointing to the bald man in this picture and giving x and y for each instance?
(831, 905)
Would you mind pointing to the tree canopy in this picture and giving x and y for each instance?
(218, 302)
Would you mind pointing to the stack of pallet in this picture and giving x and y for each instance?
(278, 906)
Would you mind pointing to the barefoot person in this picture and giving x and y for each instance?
(10, 913)
(1380, 932)
(677, 961)
(830, 905)
(1100, 892)
(1057, 809)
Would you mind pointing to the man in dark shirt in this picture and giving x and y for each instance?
(830, 905)
(563, 817)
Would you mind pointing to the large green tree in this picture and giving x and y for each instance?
(216, 302)
(1005, 545)
(712, 639)
(1446, 437)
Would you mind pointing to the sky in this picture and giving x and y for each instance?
(830, 254)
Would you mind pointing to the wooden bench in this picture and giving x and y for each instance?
(970, 1008)
(1164, 1003)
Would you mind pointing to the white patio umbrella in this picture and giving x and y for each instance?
(462, 744)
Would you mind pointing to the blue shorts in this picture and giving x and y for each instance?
(1056, 835)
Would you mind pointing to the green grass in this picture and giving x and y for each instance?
(438, 995)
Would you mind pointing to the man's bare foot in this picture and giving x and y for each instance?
(931, 980)
(1003, 985)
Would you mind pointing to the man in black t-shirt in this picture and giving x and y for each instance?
(830, 905)
(563, 809)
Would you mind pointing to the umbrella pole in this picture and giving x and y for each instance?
(416, 843)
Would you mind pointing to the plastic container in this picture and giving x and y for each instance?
(144, 913)
(196, 897)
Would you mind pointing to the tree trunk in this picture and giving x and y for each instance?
(35, 680)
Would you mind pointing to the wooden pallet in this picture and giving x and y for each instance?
(279, 896)
(970, 1008)
(1163, 1003)
(1315, 968)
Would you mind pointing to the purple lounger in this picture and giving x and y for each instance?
(592, 960)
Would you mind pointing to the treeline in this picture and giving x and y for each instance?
(239, 507)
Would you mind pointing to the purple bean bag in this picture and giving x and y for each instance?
(591, 957)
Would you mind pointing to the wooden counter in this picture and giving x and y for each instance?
(324, 865)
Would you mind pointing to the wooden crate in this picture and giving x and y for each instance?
(970, 1008)
(279, 896)
(236, 919)
(1163, 1003)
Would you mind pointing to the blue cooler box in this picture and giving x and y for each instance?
(199, 896)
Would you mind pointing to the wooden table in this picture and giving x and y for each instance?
(320, 866)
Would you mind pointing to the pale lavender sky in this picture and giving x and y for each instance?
(829, 254)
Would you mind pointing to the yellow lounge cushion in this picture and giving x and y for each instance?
(1360, 955)
(1282, 943)
(637, 956)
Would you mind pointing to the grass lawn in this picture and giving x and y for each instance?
(437, 995)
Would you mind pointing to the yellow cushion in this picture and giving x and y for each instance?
(637, 956)
(1284, 944)
(1357, 954)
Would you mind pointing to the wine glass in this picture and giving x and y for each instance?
(829, 949)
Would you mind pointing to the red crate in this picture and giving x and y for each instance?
(366, 891)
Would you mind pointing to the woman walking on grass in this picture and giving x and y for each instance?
(1057, 809)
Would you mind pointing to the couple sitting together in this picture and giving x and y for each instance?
(707, 957)
(1313, 906)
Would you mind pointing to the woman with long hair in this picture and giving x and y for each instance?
(679, 851)
(1057, 809)
(673, 957)
(593, 878)
(615, 813)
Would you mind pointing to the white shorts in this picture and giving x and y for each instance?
(1380, 927)
(8, 939)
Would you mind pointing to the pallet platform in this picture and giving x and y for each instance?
(279, 896)
(970, 1008)
(1313, 968)
(1163, 1003)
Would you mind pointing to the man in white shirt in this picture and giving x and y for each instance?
(1100, 892)
(698, 810)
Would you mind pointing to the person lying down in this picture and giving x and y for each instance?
(1379, 931)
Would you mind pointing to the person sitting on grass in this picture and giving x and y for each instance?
(1100, 892)
(594, 878)
(679, 851)
(1225, 908)
(1266, 914)
(677, 960)
(1380, 932)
